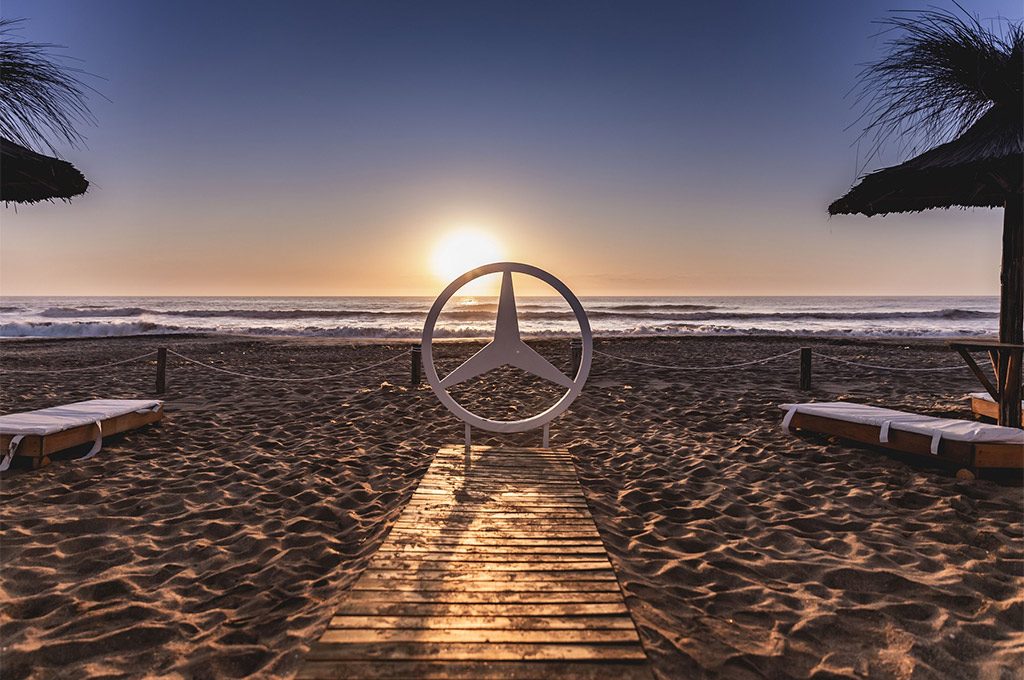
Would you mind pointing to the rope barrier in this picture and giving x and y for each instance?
(891, 368)
(402, 354)
(264, 377)
(696, 368)
(80, 368)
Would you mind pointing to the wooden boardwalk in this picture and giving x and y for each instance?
(494, 570)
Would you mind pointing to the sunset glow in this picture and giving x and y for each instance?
(462, 250)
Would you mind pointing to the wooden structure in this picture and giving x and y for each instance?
(916, 440)
(1006, 363)
(984, 406)
(38, 447)
(805, 369)
(494, 570)
(982, 167)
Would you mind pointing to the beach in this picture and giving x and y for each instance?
(218, 543)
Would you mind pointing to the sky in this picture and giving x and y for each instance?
(333, 148)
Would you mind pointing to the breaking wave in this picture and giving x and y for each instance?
(83, 329)
(527, 312)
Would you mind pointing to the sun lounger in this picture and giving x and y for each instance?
(983, 404)
(970, 444)
(36, 434)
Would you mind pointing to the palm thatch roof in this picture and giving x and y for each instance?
(980, 168)
(30, 177)
(946, 76)
(41, 99)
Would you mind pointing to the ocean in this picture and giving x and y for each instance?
(470, 317)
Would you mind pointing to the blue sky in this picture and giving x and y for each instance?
(328, 147)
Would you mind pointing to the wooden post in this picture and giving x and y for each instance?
(1011, 276)
(805, 368)
(161, 370)
(417, 364)
(1011, 310)
(576, 346)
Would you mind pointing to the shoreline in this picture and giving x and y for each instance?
(218, 543)
(371, 340)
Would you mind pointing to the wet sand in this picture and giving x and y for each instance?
(218, 543)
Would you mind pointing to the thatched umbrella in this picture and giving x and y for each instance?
(28, 177)
(946, 74)
(40, 99)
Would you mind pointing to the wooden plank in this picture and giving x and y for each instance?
(469, 670)
(457, 500)
(453, 501)
(468, 535)
(494, 491)
(984, 407)
(999, 456)
(505, 526)
(494, 521)
(495, 512)
(511, 450)
(569, 492)
(412, 539)
(441, 585)
(491, 597)
(558, 463)
(489, 622)
(520, 477)
(481, 609)
(1010, 404)
(458, 596)
(453, 575)
(494, 551)
(512, 470)
(457, 468)
(577, 636)
(491, 483)
(486, 651)
(31, 446)
(439, 520)
(513, 537)
(470, 564)
(548, 559)
(495, 488)
(556, 514)
(494, 569)
(399, 548)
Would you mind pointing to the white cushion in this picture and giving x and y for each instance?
(59, 418)
(986, 396)
(886, 419)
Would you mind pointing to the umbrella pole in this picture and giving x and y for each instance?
(1011, 310)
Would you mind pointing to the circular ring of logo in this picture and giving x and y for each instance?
(507, 425)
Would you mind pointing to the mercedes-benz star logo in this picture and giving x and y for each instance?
(507, 349)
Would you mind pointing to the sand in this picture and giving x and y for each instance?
(217, 544)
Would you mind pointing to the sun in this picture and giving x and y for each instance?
(460, 251)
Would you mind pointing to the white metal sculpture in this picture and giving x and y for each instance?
(507, 349)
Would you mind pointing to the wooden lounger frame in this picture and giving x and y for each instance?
(973, 456)
(38, 447)
(984, 407)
